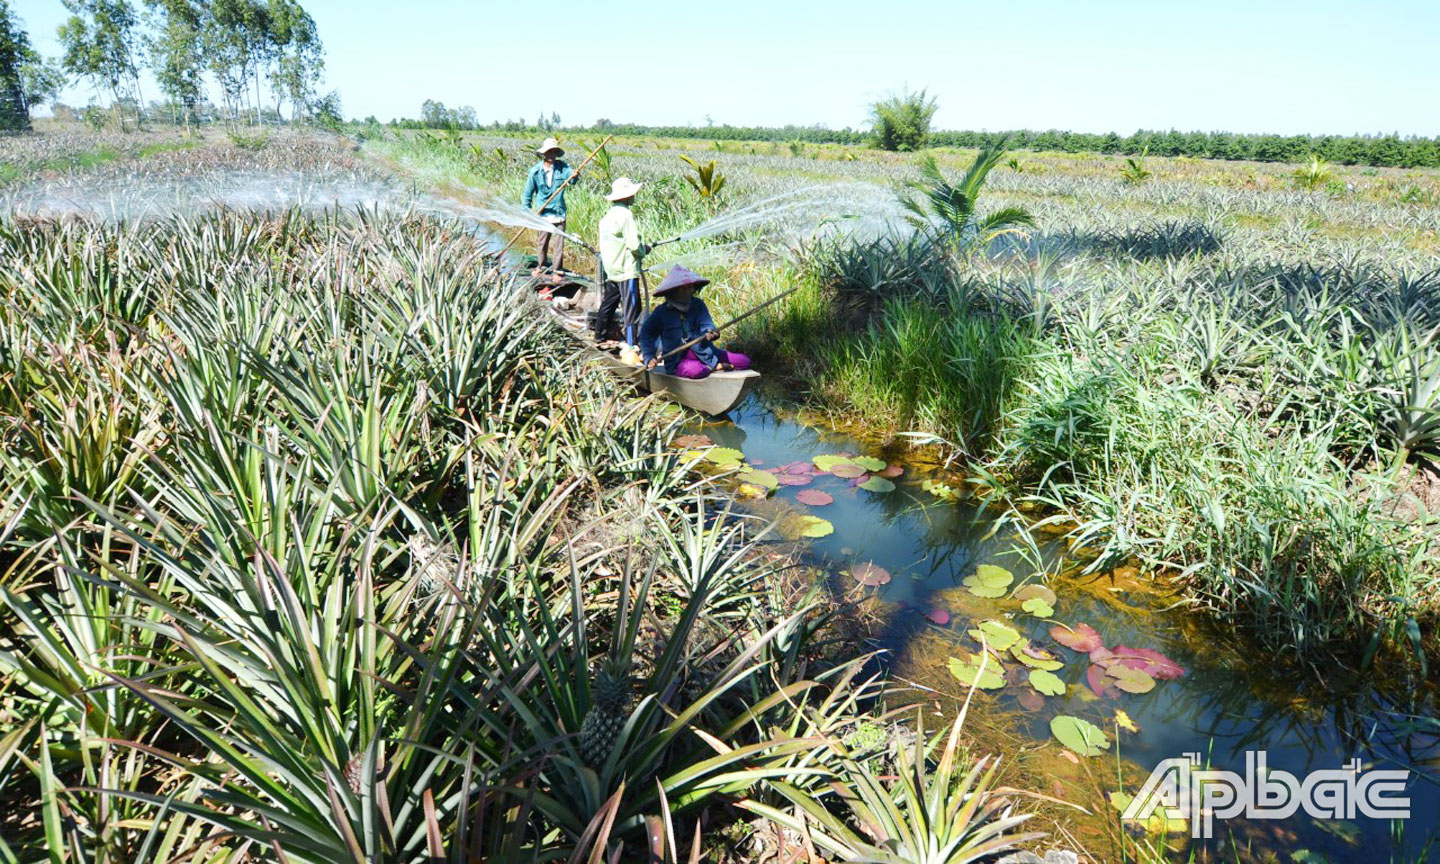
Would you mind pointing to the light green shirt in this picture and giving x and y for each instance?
(619, 238)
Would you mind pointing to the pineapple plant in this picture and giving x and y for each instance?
(610, 704)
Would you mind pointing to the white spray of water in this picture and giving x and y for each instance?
(852, 208)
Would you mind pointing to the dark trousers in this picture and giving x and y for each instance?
(625, 296)
(544, 243)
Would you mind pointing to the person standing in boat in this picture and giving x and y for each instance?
(681, 318)
(551, 173)
(620, 254)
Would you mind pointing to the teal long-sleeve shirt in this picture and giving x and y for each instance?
(536, 189)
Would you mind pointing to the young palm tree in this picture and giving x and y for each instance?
(949, 210)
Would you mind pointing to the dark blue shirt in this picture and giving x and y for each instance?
(667, 328)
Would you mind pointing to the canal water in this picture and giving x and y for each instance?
(1206, 691)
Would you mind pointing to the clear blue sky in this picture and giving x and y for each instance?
(1236, 65)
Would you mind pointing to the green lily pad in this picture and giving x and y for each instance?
(943, 491)
(1038, 607)
(816, 527)
(1131, 680)
(1035, 658)
(995, 634)
(847, 471)
(725, 456)
(1047, 682)
(970, 674)
(869, 463)
(1081, 736)
(992, 576)
(878, 484)
(760, 478)
(982, 591)
(828, 462)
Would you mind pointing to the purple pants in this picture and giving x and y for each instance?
(690, 366)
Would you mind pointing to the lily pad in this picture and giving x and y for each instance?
(1047, 682)
(691, 455)
(938, 616)
(1035, 658)
(869, 573)
(814, 497)
(878, 484)
(1030, 700)
(1034, 589)
(693, 441)
(970, 674)
(816, 527)
(1081, 736)
(794, 479)
(1130, 680)
(940, 490)
(847, 470)
(750, 490)
(725, 456)
(803, 467)
(993, 576)
(869, 463)
(982, 591)
(996, 634)
(1038, 607)
(858, 481)
(890, 472)
(1149, 661)
(828, 463)
(760, 478)
(1101, 685)
(1081, 637)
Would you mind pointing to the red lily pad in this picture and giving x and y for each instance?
(802, 467)
(1101, 684)
(794, 479)
(1149, 661)
(890, 472)
(814, 497)
(1102, 656)
(1030, 700)
(689, 441)
(1081, 637)
(869, 573)
(856, 481)
(938, 616)
(848, 470)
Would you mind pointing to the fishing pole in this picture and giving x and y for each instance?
(732, 322)
(573, 175)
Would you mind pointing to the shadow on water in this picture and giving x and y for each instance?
(1232, 698)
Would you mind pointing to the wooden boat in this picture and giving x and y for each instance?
(715, 394)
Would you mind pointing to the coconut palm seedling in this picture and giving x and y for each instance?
(949, 211)
(707, 180)
(1134, 171)
(1312, 175)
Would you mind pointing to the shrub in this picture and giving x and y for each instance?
(903, 122)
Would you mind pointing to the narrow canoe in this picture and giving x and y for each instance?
(715, 394)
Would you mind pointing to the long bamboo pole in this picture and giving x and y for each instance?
(732, 322)
(573, 175)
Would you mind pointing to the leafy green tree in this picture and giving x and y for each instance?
(902, 122)
(41, 80)
(239, 46)
(177, 52)
(14, 51)
(297, 57)
(99, 40)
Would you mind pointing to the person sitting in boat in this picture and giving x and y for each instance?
(681, 318)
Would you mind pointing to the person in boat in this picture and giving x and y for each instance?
(546, 176)
(620, 255)
(681, 318)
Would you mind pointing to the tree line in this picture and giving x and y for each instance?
(239, 45)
